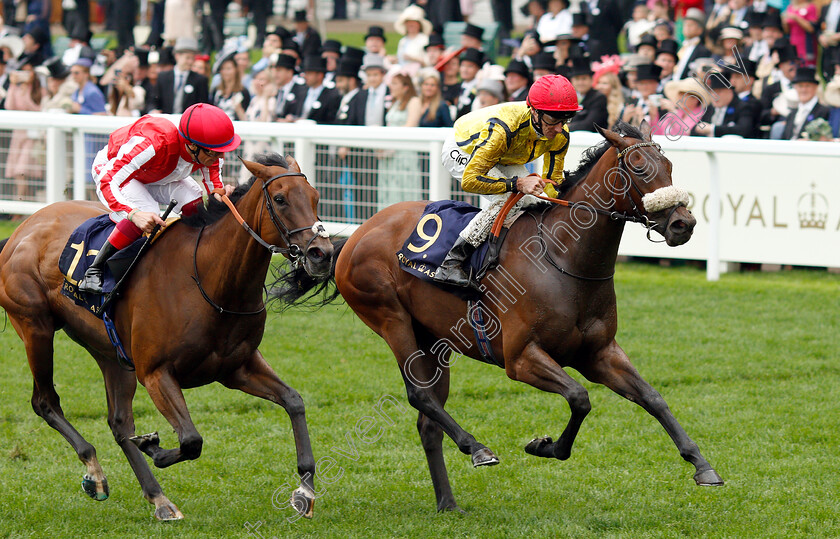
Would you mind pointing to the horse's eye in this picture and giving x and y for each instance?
(280, 200)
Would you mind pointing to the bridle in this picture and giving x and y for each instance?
(292, 251)
(635, 215)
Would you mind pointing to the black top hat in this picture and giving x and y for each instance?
(749, 69)
(718, 82)
(142, 57)
(648, 72)
(376, 31)
(580, 66)
(519, 67)
(314, 63)
(354, 54)
(580, 18)
(347, 67)
(755, 18)
(563, 70)
(668, 46)
(787, 52)
(38, 34)
(473, 55)
(280, 32)
(772, 20)
(435, 40)
(290, 44)
(300, 16)
(805, 74)
(647, 40)
(285, 60)
(81, 34)
(331, 45)
(56, 68)
(543, 60)
(473, 31)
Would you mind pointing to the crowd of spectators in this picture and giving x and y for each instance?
(731, 67)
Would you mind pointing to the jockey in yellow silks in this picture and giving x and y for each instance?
(488, 152)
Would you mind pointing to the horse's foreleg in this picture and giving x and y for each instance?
(37, 336)
(120, 386)
(169, 400)
(256, 377)
(421, 372)
(536, 368)
(612, 367)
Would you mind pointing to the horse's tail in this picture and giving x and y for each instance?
(293, 286)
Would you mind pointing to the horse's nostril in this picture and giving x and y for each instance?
(315, 254)
(678, 226)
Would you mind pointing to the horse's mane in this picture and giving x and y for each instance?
(591, 155)
(215, 210)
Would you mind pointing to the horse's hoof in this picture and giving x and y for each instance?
(537, 446)
(708, 478)
(167, 512)
(303, 500)
(145, 440)
(484, 457)
(453, 507)
(98, 493)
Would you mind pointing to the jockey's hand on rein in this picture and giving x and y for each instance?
(146, 220)
(228, 191)
(532, 184)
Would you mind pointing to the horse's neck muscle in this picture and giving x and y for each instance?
(230, 262)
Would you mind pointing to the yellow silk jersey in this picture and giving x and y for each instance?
(502, 135)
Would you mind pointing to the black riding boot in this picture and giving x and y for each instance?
(92, 281)
(451, 270)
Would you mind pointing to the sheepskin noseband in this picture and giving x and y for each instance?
(664, 197)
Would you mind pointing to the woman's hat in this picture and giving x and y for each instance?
(674, 88)
(413, 13)
(493, 87)
(731, 32)
(14, 44)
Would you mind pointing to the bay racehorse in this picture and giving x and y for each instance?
(192, 313)
(550, 304)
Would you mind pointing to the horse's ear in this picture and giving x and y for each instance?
(645, 129)
(256, 169)
(613, 138)
(293, 164)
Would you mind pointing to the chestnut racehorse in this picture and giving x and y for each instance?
(175, 336)
(551, 302)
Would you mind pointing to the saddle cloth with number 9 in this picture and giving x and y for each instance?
(434, 236)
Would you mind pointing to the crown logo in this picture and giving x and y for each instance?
(813, 209)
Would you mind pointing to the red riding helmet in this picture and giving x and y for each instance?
(209, 127)
(553, 93)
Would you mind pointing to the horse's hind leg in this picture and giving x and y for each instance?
(37, 336)
(612, 367)
(256, 377)
(431, 436)
(120, 386)
(166, 393)
(536, 368)
(421, 373)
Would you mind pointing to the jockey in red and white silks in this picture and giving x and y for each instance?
(149, 163)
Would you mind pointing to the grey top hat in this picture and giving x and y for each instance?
(373, 61)
(186, 44)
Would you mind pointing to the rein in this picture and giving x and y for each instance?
(293, 251)
(635, 217)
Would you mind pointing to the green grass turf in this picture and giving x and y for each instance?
(748, 365)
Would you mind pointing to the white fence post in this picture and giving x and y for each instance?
(713, 259)
(79, 162)
(55, 164)
(305, 156)
(440, 183)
